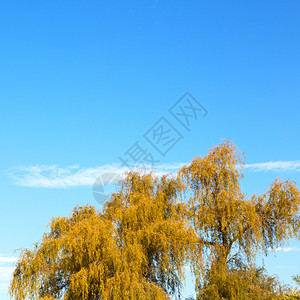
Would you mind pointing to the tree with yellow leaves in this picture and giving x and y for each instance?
(135, 249)
(230, 227)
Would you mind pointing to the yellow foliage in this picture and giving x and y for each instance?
(230, 227)
(136, 248)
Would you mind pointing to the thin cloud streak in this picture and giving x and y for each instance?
(45, 176)
(6, 259)
(53, 176)
(275, 166)
(286, 249)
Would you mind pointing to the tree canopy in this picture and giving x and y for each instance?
(138, 245)
(231, 228)
(134, 249)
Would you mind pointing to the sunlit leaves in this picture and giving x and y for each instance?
(137, 247)
(231, 228)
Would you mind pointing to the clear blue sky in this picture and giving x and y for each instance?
(81, 81)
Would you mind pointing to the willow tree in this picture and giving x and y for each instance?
(230, 227)
(135, 249)
(151, 220)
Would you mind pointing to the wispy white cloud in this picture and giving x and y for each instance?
(286, 249)
(275, 166)
(7, 259)
(53, 176)
(46, 176)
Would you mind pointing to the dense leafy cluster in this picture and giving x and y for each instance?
(138, 245)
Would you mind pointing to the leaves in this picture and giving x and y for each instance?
(137, 247)
(230, 227)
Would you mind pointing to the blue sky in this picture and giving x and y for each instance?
(81, 82)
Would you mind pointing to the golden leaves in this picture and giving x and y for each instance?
(137, 247)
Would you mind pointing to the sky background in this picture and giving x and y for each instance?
(83, 81)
